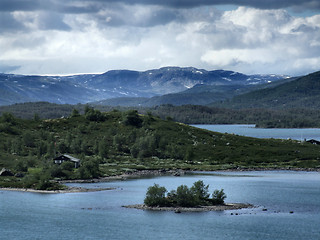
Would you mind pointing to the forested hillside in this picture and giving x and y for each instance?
(304, 92)
(189, 114)
(115, 142)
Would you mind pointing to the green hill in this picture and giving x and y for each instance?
(115, 142)
(304, 92)
(189, 114)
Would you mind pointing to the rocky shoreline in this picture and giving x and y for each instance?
(67, 190)
(227, 206)
(122, 177)
(138, 174)
(177, 172)
(130, 175)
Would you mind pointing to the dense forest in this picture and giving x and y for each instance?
(110, 143)
(189, 114)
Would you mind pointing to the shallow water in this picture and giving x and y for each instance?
(99, 215)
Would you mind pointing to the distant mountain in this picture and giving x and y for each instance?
(198, 95)
(303, 92)
(120, 83)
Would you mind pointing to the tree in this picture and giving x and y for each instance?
(93, 115)
(36, 117)
(184, 197)
(75, 113)
(28, 139)
(218, 196)
(103, 148)
(155, 196)
(189, 156)
(21, 166)
(132, 118)
(200, 191)
(8, 117)
(89, 169)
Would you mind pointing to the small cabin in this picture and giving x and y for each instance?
(313, 141)
(5, 172)
(64, 157)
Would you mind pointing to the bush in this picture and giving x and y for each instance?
(218, 196)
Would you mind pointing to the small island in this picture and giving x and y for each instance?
(185, 199)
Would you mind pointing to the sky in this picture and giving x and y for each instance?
(61, 37)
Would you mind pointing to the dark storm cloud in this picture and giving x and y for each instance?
(131, 17)
(49, 5)
(264, 4)
(9, 24)
(85, 6)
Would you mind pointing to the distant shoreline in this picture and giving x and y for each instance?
(227, 206)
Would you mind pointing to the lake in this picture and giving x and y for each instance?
(99, 215)
(250, 130)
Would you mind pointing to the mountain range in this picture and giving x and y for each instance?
(172, 85)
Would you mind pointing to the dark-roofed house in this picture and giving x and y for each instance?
(65, 157)
(313, 141)
(5, 172)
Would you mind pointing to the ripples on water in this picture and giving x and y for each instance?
(99, 215)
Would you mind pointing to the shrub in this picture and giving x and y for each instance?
(218, 196)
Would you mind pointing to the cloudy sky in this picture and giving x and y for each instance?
(93, 36)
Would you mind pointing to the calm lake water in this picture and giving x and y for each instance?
(251, 131)
(99, 215)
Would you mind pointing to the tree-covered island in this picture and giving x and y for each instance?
(197, 195)
(195, 198)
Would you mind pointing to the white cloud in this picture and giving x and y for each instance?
(139, 37)
(265, 41)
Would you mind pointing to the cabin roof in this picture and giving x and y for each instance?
(314, 141)
(70, 158)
